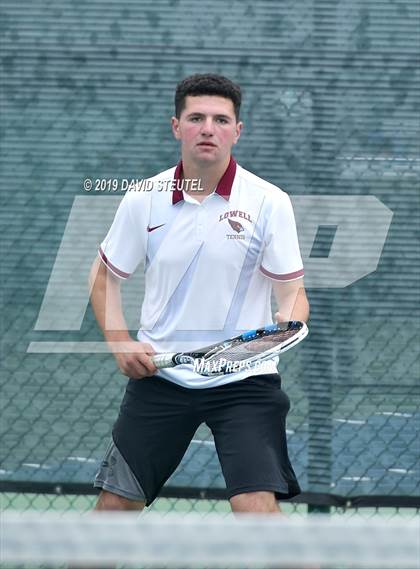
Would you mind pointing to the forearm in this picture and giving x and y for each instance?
(295, 307)
(133, 358)
(292, 301)
(106, 303)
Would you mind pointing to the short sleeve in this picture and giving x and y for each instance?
(124, 247)
(281, 258)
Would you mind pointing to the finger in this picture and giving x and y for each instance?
(141, 365)
(137, 370)
(130, 366)
(148, 349)
(147, 362)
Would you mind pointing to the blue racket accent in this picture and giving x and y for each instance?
(271, 328)
(249, 335)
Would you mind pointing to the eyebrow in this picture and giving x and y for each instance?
(217, 116)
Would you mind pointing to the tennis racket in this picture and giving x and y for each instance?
(240, 353)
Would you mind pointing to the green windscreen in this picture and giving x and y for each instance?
(331, 114)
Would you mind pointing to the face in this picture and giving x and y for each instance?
(207, 129)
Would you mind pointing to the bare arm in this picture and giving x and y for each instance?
(292, 303)
(133, 358)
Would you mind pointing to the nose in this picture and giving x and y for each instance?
(207, 127)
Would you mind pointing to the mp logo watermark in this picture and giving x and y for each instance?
(341, 240)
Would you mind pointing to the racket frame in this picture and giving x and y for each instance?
(168, 360)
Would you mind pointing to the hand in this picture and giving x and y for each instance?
(133, 358)
(279, 318)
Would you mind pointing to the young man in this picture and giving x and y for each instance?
(212, 257)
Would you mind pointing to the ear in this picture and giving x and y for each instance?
(175, 128)
(239, 126)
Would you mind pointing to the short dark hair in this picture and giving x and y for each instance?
(207, 84)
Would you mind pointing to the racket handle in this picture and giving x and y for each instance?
(163, 360)
(171, 360)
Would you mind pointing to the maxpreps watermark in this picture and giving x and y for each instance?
(114, 185)
(223, 366)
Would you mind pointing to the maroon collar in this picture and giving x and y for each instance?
(224, 187)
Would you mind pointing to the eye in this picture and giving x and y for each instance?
(195, 119)
(222, 120)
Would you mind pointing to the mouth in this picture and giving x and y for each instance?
(206, 145)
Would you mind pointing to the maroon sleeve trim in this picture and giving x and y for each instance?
(286, 277)
(112, 267)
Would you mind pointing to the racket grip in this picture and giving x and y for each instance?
(163, 360)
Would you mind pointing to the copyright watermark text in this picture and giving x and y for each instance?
(115, 185)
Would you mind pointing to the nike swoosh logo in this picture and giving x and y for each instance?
(149, 229)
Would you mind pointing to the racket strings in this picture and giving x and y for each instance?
(240, 351)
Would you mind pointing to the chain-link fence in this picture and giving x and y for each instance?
(77, 503)
(331, 115)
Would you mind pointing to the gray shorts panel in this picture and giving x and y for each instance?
(115, 476)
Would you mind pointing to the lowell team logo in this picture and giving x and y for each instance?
(235, 225)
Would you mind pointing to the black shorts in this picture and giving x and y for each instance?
(158, 419)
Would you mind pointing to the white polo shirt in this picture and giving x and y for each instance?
(208, 266)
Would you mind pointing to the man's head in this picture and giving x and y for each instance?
(207, 84)
(206, 121)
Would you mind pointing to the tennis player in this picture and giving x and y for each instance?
(215, 241)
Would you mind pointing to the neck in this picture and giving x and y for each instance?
(208, 174)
